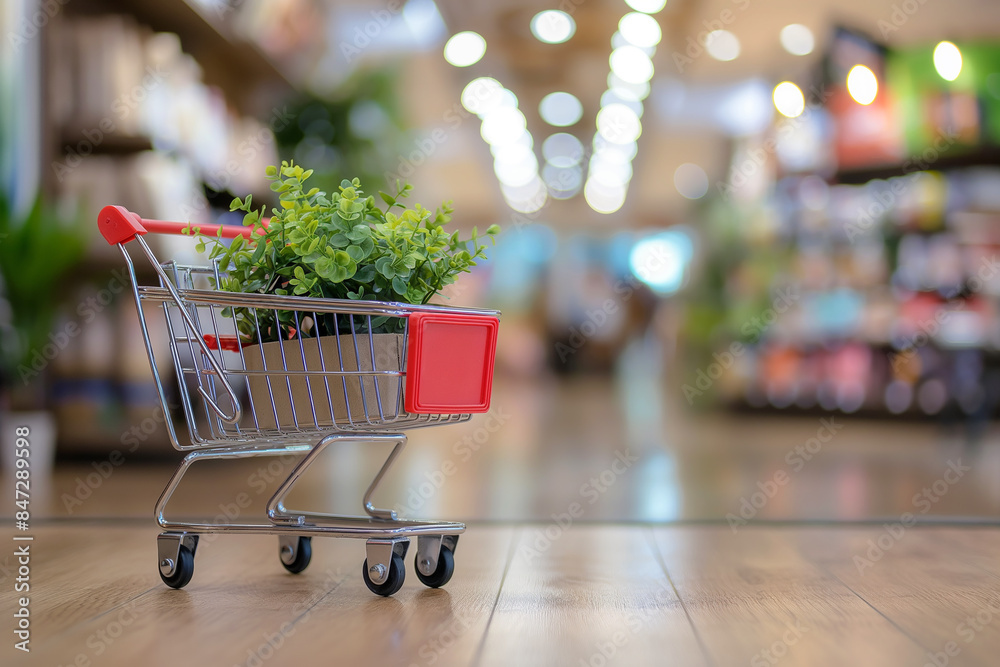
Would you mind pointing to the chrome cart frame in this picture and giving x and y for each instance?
(345, 385)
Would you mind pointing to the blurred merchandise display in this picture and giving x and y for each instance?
(861, 274)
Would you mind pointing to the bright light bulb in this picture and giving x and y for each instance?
(602, 198)
(618, 124)
(631, 65)
(947, 61)
(503, 126)
(722, 45)
(482, 95)
(797, 39)
(562, 150)
(560, 109)
(640, 30)
(646, 6)
(862, 84)
(553, 26)
(788, 99)
(464, 48)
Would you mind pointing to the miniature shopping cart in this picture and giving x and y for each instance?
(300, 374)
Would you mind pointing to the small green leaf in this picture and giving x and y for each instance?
(399, 286)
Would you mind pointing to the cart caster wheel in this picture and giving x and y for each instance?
(303, 554)
(440, 576)
(183, 570)
(393, 581)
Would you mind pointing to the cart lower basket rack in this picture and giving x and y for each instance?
(310, 373)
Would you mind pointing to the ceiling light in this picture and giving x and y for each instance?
(640, 30)
(464, 48)
(691, 181)
(502, 126)
(610, 173)
(563, 182)
(562, 150)
(613, 96)
(631, 64)
(553, 26)
(484, 94)
(560, 109)
(515, 174)
(605, 148)
(602, 198)
(618, 124)
(646, 6)
(638, 91)
(788, 99)
(947, 61)
(722, 45)
(797, 39)
(862, 84)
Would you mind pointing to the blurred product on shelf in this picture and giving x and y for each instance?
(891, 259)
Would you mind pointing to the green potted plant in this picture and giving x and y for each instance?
(340, 245)
(37, 248)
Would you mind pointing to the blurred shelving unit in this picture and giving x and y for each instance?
(883, 224)
(162, 106)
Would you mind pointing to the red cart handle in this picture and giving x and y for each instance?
(119, 225)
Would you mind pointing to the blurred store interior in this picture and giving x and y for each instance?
(739, 238)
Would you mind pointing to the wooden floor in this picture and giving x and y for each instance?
(528, 594)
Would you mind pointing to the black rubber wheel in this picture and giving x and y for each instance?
(442, 575)
(303, 554)
(392, 583)
(183, 571)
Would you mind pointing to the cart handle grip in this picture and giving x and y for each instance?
(119, 225)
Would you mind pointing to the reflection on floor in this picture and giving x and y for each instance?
(620, 446)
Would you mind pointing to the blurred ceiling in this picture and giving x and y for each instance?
(461, 167)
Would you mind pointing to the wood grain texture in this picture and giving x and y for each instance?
(927, 581)
(756, 600)
(584, 596)
(592, 594)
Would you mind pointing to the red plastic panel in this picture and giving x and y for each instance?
(449, 363)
